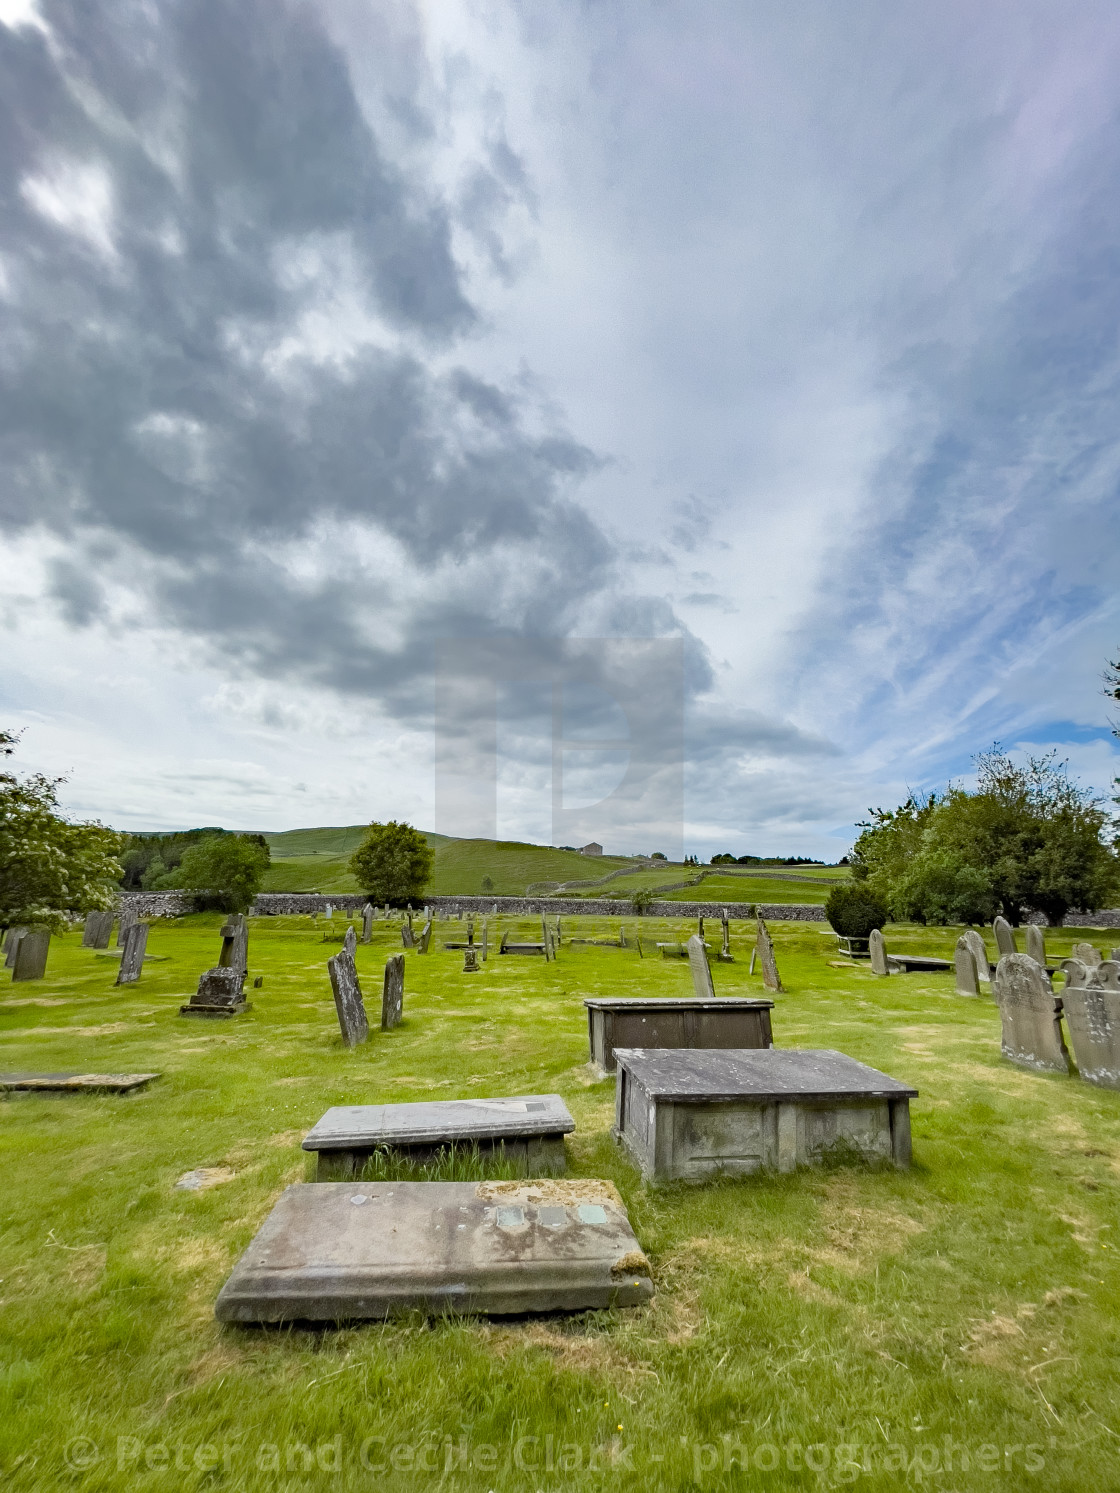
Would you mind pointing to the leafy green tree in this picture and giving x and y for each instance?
(641, 901)
(393, 863)
(49, 866)
(229, 867)
(854, 909)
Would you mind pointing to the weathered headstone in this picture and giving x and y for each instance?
(1031, 1015)
(724, 955)
(367, 923)
(11, 946)
(219, 994)
(348, 999)
(470, 930)
(485, 941)
(1087, 954)
(235, 944)
(879, 965)
(132, 960)
(392, 994)
(1092, 1014)
(964, 966)
(31, 956)
(425, 937)
(328, 911)
(128, 918)
(1004, 936)
(1036, 943)
(470, 960)
(407, 939)
(350, 940)
(97, 930)
(765, 946)
(975, 942)
(699, 968)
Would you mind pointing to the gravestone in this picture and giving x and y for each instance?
(31, 956)
(132, 959)
(470, 960)
(724, 955)
(1092, 1013)
(765, 947)
(877, 948)
(964, 966)
(485, 941)
(367, 923)
(219, 994)
(11, 946)
(392, 993)
(328, 911)
(235, 944)
(700, 927)
(425, 937)
(1004, 936)
(1030, 1014)
(1087, 954)
(699, 969)
(407, 939)
(655, 1021)
(975, 942)
(97, 930)
(1075, 972)
(1036, 944)
(348, 999)
(350, 940)
(128, 918)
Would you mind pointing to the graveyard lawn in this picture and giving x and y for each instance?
(953, 1327)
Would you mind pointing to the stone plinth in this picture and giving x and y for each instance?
(694, 1115)
(339, 1251)
(219, 994)
(529, 1131)
(653, 1021)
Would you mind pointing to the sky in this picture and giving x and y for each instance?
(334, 334)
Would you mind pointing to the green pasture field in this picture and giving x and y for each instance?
(955, 1327)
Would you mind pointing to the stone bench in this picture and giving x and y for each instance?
(692, 1115)
(345, 1251)
(529, 1131)
(657, 1021)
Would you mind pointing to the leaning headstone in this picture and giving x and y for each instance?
(699, 968)
(1031, 1016)
(425, 937)
(1036, 944)
(350, 940)
(31, 956)
(98, 927)
(1092, 1014)
(128, 918)
(132, 960)
(964, 965)
(879, 965)
(348, 999)
(219, 994)
(367, 923)
(11, 946)
(1004, 935)
(392, 993)
(1087, 954)
(765, 946)
(975, 942)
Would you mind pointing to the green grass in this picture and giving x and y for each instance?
(976, 1297)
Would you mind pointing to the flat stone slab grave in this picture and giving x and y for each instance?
(341, 1251)
(658, 1021)
(74, 1083)
(528, 1130)
(691, 1115)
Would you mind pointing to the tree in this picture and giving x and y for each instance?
(854, 909)
(49, 866)
(641, 901)
(1028, 839)
(230, 867)
(393, 863)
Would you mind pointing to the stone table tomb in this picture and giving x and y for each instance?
(693, 1115)
(654, 1021)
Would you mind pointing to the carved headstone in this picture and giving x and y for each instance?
(219, 990)
(1092, 1013)
(724, 955)
(350, 940)
(235, 944)
(765, 947)
(964, 966)
(1087, 954)
(1036, 943)
(98, 927)
(132, 960)
(1004, 936)
(31, 956)
(11, 946)
(470, 960)
(367, 923)
(699, 968)
(1031, 1015)
(392, 994)
(128, 918)
(425, 937)
(975, 942)
(1107, 975)
(348, 999)
(879, 965)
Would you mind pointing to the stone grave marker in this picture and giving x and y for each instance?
(765, 947)
(348, 999)
(367, 923)
(658, 1021)
(964, 966)
(724, 955)
(485, 941)
(235, 944)
(1087, 954)
(470, 960)
(350, 940)
(877, 948)
(97, 930)
(425, 937)
(328, 911)
(1092, 1013)
(1036, 944)
(11, 946)
(219, 994)
(128, 918)
(700, 969)
(1030, 1014)
(392, 994)
(132, 959)
(1004, 935)
(75, 1083)
(407, 940)
(31, 956)
(975, 942)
